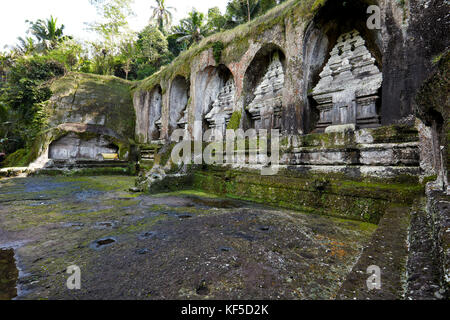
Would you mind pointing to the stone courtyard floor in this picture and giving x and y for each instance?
(184, 245)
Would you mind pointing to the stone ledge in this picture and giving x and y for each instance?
(323, 193)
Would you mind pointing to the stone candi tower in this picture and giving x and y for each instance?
(348, 88)
(265, 109)
(182, 123)
(159, 125)
(222, 109)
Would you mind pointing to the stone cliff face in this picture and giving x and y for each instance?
(384, 68)
(89, 116)
(362, 112)
(403, 50)
(92, 99)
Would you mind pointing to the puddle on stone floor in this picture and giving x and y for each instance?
(184, 216)
(175, 214)
(142, 251)
(202, 289)
(88, 195)
(44, 185)
(102, 243)
(8, 274)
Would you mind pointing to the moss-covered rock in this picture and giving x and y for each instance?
(235, 121)
(88, 105)
(332, 195)
(232, 45)
(20, 158)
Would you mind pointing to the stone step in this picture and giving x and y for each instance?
(148, 154)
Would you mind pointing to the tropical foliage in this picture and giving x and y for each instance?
(192, 29)
(162, 15)
(47, 33)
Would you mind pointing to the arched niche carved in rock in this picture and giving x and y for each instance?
(154, 114)
(333, 21)
(263, 89)
(73, 147)
(178, 100)
(214, 100)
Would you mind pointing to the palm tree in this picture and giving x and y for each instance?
(47, 32)
(241, 11)
(162, 15)
(193, 28)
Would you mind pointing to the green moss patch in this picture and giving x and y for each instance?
(100, 97)
(20, 158)
(357, 200)
(235, 121)
(395, 133)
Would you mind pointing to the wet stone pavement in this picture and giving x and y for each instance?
(183, 245)
(8, 274)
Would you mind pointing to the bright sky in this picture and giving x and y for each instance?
(74, 13)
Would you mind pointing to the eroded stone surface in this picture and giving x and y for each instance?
(180, 245)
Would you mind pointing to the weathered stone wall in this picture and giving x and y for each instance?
(305, 37)
(331, 194)
(302, 34)
(433, 107)
(415, 33)
(438, 208)
(148, 107)
(208, 84)
(178, 101)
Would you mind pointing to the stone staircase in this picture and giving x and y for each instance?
(148, 152)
